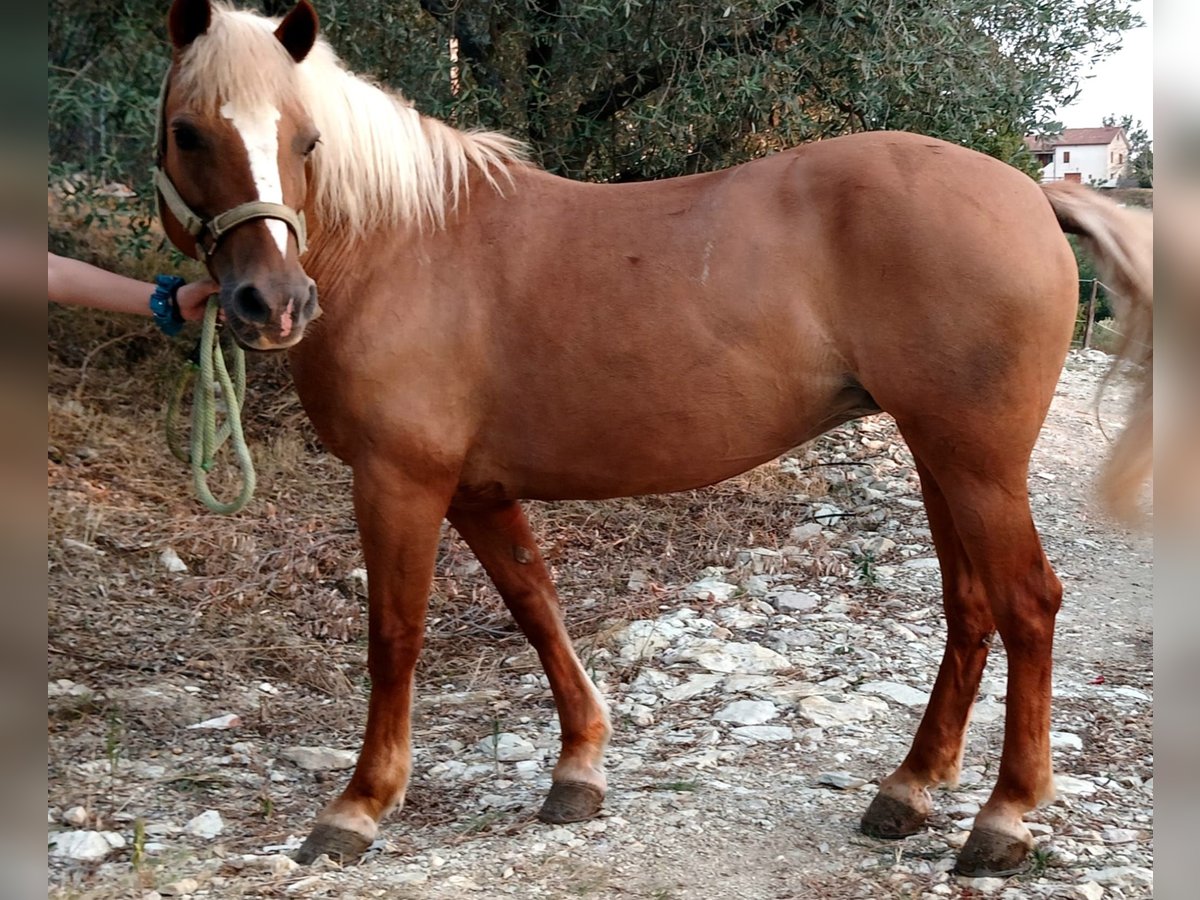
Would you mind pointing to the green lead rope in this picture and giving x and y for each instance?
(206, 437)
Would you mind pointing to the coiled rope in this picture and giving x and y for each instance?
(210, 374)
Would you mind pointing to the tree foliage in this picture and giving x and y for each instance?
(632, 89)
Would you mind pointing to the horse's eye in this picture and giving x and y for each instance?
(186, 137)
(312, 145)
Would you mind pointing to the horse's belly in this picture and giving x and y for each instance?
(634, 451)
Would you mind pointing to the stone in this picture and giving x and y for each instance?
(229, 720)
(1064, 740)
(171, 562)
(506, 747)
(827, 514)
(1118, 876)
(76, 816)
(207, 825)
(753, 734)
(983, 885)
(1071, 786)
(85, 846)
(1089, 890)
(729, 656)
(924, 562)
(320, 759)
(1119, 835)
(713, 590)
(878, 546)
(825, 712)
(802, 534)
(795, 601)
(180, 888)
(693, 687)
(747, 712)
(841, 781)
(644, 638)
(901, 693)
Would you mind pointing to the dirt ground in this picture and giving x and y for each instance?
(256, 622)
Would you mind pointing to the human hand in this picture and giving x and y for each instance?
(193, 297)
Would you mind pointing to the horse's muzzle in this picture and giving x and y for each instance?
(270, 315)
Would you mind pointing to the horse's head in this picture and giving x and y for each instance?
(233, 165)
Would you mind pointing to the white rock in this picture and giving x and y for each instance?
(795, 601)
(1064, 740)
(207, 825)
(65, 687)
(753, 734)
(693, 687)
(802, 534)
(1119, 835)
(506, 747)
(644, 638)
(1116, 876)
(747, 712)
(842, 781)
(85, 846)
(827, 514)
(180, 888)
(711, 589)
(878, 545)
(729, 656)
(320, 759)
(925, 562)
(824, 712)
(1089, 890)
(983, 885)
(171, 562)
(1074, 787)
(559, 835)
(76, 816)
(229, 720)
(901, 693)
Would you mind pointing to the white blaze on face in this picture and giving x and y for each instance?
(259, 130)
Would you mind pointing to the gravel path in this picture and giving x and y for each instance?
(753, 716)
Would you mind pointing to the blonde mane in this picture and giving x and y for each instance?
(379, 160)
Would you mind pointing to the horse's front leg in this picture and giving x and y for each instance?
(501, 539)
(399, 522)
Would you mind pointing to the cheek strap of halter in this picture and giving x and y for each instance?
(207, 234)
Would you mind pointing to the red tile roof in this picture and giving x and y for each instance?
(1075, 137)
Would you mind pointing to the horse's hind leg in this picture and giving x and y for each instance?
(500, 537)
(400, 524)
(981, 471)
(903, 803)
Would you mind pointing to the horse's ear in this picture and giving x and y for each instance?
(188, 20)
(298, 30)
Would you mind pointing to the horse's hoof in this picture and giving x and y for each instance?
(342, 845)
(888, 818)
(571, 801)
(992, 854)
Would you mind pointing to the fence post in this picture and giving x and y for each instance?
(1091, 314)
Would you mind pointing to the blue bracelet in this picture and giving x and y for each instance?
(164, 305)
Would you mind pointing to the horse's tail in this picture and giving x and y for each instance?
(1120, 240)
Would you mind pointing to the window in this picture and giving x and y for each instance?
(1066, 156)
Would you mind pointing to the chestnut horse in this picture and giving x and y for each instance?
(489, 332)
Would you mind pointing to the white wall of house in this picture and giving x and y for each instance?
(1094, 163)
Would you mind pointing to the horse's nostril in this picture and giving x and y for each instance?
(310, 305)
(250, 305)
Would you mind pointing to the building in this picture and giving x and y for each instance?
(1088, 155)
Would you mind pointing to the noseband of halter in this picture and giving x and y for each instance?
(207, 233)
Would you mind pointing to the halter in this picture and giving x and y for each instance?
(207, 233)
